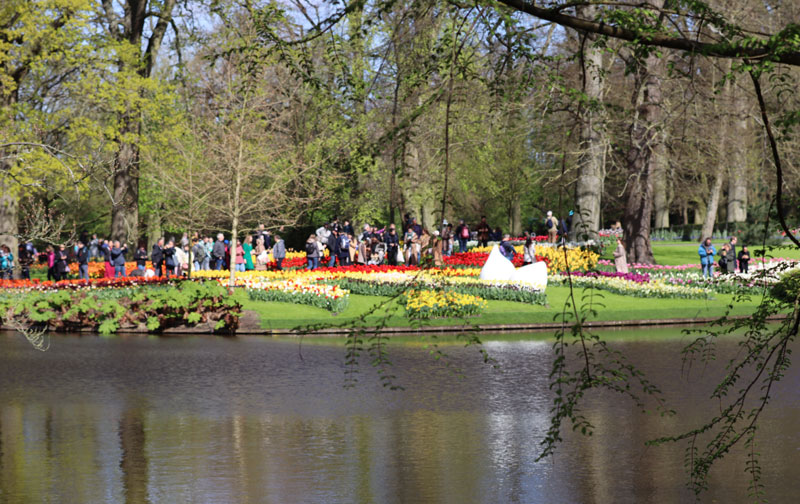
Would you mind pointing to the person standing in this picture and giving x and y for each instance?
(26, 255)
(731, 256)
(312, 253)
(446, 235)
(356, 247)
(744, 259)
(279, 252)
(323, 233)
(140, 256)
(118, 259)
(620, 257)
(157, 257)
(262, 233)
(199, 253)
(83, 261)
(343, 244)
(94, 247)
(182, 259)
(423, 248)
(333, 247)
(528, 250)
(169, 258)
(218, 252)
(60, 264)
(261, 255)
(238, 257)
(411, 244)
(462, 233)
(731, 265)
(347, 228)
(51, 263)
(392, 245)
(247, 246)
(438, 247)
(105, 250)
(6, 263)
(551, 223)
(707, 251)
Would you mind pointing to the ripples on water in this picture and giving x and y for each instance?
(213, 420)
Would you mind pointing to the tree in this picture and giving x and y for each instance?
(139, 42)
(239, 162)
(41, 54)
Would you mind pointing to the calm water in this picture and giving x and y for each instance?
(248, 421)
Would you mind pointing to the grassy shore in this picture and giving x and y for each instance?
(610, 307)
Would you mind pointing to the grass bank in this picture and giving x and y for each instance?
(610, 307)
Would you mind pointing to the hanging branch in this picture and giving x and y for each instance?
(775, 155)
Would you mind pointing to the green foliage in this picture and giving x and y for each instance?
(107, 310)
(787, 289)
(153, 323)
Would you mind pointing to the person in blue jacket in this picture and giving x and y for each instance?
(707, 252)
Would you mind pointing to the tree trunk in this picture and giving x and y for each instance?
(516, 217)
(713, 201)
(153, 228)
(235, 205)
(660, 196)
(737, 180)
(712, 206)
(9, 214)
(645, 153)
(125, 208)
(591, 160)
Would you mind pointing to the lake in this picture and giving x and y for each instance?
(252, 420)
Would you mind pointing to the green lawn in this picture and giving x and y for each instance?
(675, 253)
(615, 307)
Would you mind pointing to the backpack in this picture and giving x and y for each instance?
(464, 232)
(311, 248)
(344, 243)
(549, 223)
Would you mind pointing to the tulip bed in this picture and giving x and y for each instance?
(73, 284)
(634, 287)
(393, 286)
(426, 304)
(328, 297)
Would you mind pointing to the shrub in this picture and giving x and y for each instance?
(107, 310)
(788, 287)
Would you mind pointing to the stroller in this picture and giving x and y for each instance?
(378, 254)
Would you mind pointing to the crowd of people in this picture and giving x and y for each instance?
(729, 261)
(375, 245)
(411, 244)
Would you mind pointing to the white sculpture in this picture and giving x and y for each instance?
(498, 268)
(533, 274)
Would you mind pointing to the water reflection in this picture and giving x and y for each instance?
(247, 421)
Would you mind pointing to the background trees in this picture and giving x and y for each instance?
(440, 110)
